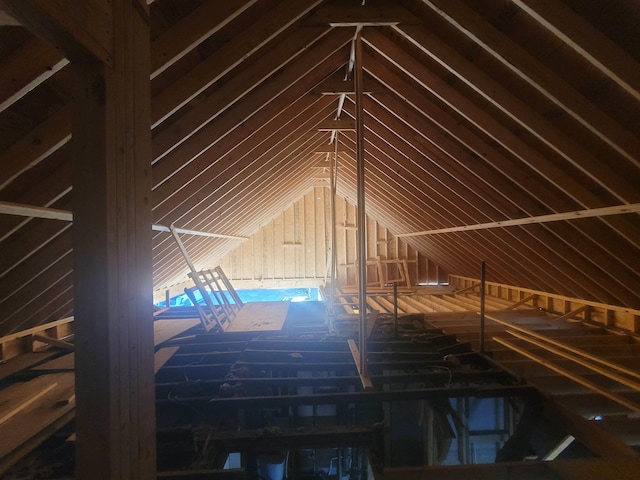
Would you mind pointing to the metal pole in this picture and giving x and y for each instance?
(333, 178)
(395, 309)
(362, 219)
(482, 302)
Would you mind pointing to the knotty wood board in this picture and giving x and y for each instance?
(259, 317)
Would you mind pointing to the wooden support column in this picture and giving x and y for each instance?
(115, 417)
(362, 218)
(107, 44)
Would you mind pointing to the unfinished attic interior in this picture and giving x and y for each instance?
(442, 197)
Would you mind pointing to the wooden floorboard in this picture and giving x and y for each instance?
(259, 317)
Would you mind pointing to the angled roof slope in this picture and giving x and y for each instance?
(478, 112)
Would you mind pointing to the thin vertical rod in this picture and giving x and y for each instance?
(483, 275)
(362, 219)
(395, 309)
(334, 181)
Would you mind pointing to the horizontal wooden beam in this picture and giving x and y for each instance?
(288, 438)
(613, 317)
(554, 217)
(186, 231)
(368, 396)
(20, 210)
(209, 474)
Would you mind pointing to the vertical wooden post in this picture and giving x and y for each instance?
(362, 217)
(112, 256)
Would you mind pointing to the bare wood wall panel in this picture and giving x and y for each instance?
(294, 249)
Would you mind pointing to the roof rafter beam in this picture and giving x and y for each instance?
(468, 248)
(18, 77)
(273, 137)
(78, 32)
(612, 179)
(56, 130)
(494, 130)
(223, 60)
(317, 62)
(536, 74)
(587, 41)
(194, 29)
(260, 71)
(513, 191)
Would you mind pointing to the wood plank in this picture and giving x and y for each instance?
(65, 362)
(625, 468)
(497, 471)
(554, 217)
(619, 399)
(19, 396)
(164, 330)
(162, 356)
(259, 317)
(213, 474)
(31, 420)
(53, 342)
(22, 362)
(365, 380)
